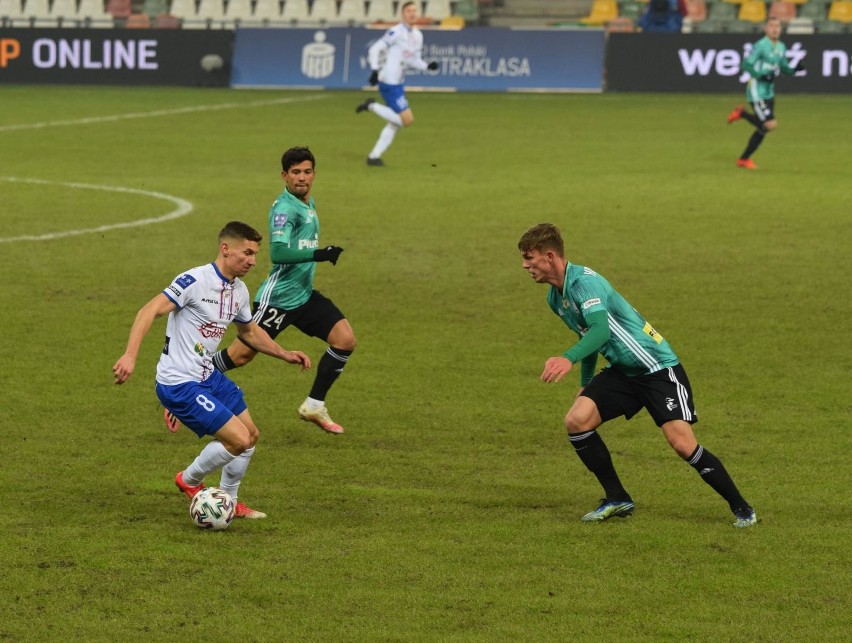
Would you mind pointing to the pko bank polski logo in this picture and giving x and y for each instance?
(726, 62)
(83, 53)
(318, 57)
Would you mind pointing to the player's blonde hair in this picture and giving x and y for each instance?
(542, 237)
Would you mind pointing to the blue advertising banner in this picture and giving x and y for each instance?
(476, 59)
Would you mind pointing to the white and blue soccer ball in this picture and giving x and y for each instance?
(212, 508)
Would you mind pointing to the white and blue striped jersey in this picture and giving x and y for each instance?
(634, 347)
(207, 304)
(401, 46)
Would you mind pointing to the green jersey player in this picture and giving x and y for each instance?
(763, 64)
(287, 296)
(643, 372)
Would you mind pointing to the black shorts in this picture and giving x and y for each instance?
(316, 317)
(666, 394)
(764, 109)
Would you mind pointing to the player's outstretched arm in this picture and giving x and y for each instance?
(260, 340)
(157, 307)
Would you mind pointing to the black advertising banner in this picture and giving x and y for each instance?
(711, 62)
(116, 56)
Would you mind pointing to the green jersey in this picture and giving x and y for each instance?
(766, 57)
(294, 223)
(634, 347)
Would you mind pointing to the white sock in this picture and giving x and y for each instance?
(385, 112)
(311, 403)
(212, 457)
(233, 472)
(385, 139)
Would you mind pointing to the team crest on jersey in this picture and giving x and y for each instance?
(567, 303)
(279, 219)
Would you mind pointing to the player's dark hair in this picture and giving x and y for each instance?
(542, 237)
(239, 230)
(405, 4)
(296, 155)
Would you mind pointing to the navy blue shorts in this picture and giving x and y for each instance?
(204, 407)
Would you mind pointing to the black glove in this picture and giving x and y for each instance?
(768, 78)
(329, 253)
(432, 66)
(374, 77)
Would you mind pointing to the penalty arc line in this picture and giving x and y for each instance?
(183, 208)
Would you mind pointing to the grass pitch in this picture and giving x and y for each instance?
(449, 509)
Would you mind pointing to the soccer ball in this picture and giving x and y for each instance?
(212, 508)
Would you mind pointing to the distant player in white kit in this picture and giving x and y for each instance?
(201, 303)
(401, 47)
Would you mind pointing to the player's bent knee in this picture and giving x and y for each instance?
(342, 337)
(254, 436)
(578, 422)
(235, 446)
(680, 437)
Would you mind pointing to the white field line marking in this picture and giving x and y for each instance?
(160, 112)
(184, 207)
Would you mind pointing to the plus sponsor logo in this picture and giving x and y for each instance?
(212, 330)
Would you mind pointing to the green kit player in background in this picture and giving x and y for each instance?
(287, 296)
(643, 372)
(766, 59)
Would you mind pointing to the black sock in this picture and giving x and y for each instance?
(753, 143)
(222, 361)
(329, 369)
(751, 118)
(713, 472)
(593, 453)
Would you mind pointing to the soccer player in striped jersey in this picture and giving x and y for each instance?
(201, 303)
(766, 60)
(390, 56)
(643, 372)
(287, 296)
